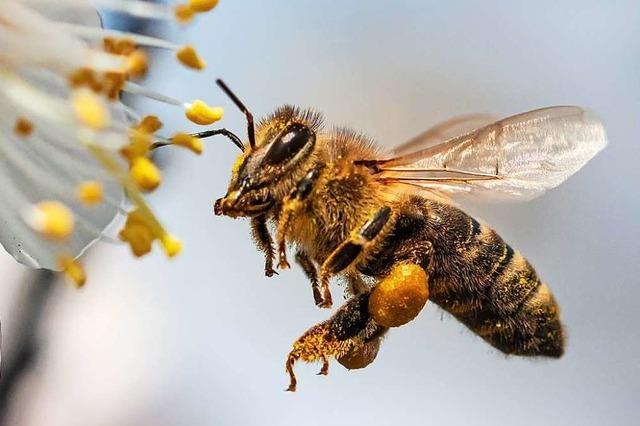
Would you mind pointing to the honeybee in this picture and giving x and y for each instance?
(387, 224)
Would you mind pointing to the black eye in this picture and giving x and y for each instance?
(295, 137)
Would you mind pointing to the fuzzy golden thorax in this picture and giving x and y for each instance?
(289, 143)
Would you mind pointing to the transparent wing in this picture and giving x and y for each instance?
(519, 157)
(444, 131)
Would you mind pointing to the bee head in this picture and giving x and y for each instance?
(268, 168)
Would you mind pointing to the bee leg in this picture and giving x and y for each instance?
(325, 367)
(347, 252)
(355, 284)
(291, 360)
(291, 205)
(346, 332)
(263, 240)
(310, 271)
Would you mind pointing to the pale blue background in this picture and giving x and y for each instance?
(213, 333)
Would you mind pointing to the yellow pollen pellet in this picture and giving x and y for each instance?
(23, 127)
(171, 245)
(52, 219)
(183, 13)
(90, 193)
(202, 5)
(145, 174)
(90, 109)
(201, 113)
(73, 271)
(187, 141)
(188, 56)
(137, 63)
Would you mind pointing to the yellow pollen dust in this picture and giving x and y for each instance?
(90, 193)
(189, 57)
(52, 219)
(202, 5)
(23, 127)
(90, 109)
(73, 271)
(187, 141)
(183, 13)
(145, 174)
(201, 113)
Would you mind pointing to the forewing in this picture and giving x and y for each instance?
(519, 157)
(444, 131)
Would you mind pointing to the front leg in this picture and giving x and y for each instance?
(310, 271)
(290, 207)
(262, 238)
(347, 252)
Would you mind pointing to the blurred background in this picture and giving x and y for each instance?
(202, 340)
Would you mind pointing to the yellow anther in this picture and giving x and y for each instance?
(90, 109)
(139, 145)
(145, 174)
(23, 127)
(90, 193)
(85, 77)
(138, 232)
(202, 5)
(119, 46)
(171, 245)
(149, 124)
(187, 141)
(137, 63)
(188, 56)
(72, 269)
(52, 219)
(183, 13)
(201, 113)
(112, 84)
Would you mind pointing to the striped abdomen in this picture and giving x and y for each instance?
(479, 279)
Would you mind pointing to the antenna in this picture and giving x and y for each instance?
(241, 107)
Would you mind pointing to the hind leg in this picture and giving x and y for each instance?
(353, 334)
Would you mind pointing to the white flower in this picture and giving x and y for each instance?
(69, 149)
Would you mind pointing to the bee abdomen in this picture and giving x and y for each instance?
(514, 312)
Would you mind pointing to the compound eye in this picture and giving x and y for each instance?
(291, 141)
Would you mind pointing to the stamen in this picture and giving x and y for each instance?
(172, 246)
(144, 215)
(145, 174)
(136, 89)
(23, 127)
(189, 57)
(52, 219)
(90, 193)
(90, 109)
(203, 5)
(187, 141)
(73, 270)
(201, 113)
(184, 13)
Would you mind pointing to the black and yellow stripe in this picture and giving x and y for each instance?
(478, 278)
